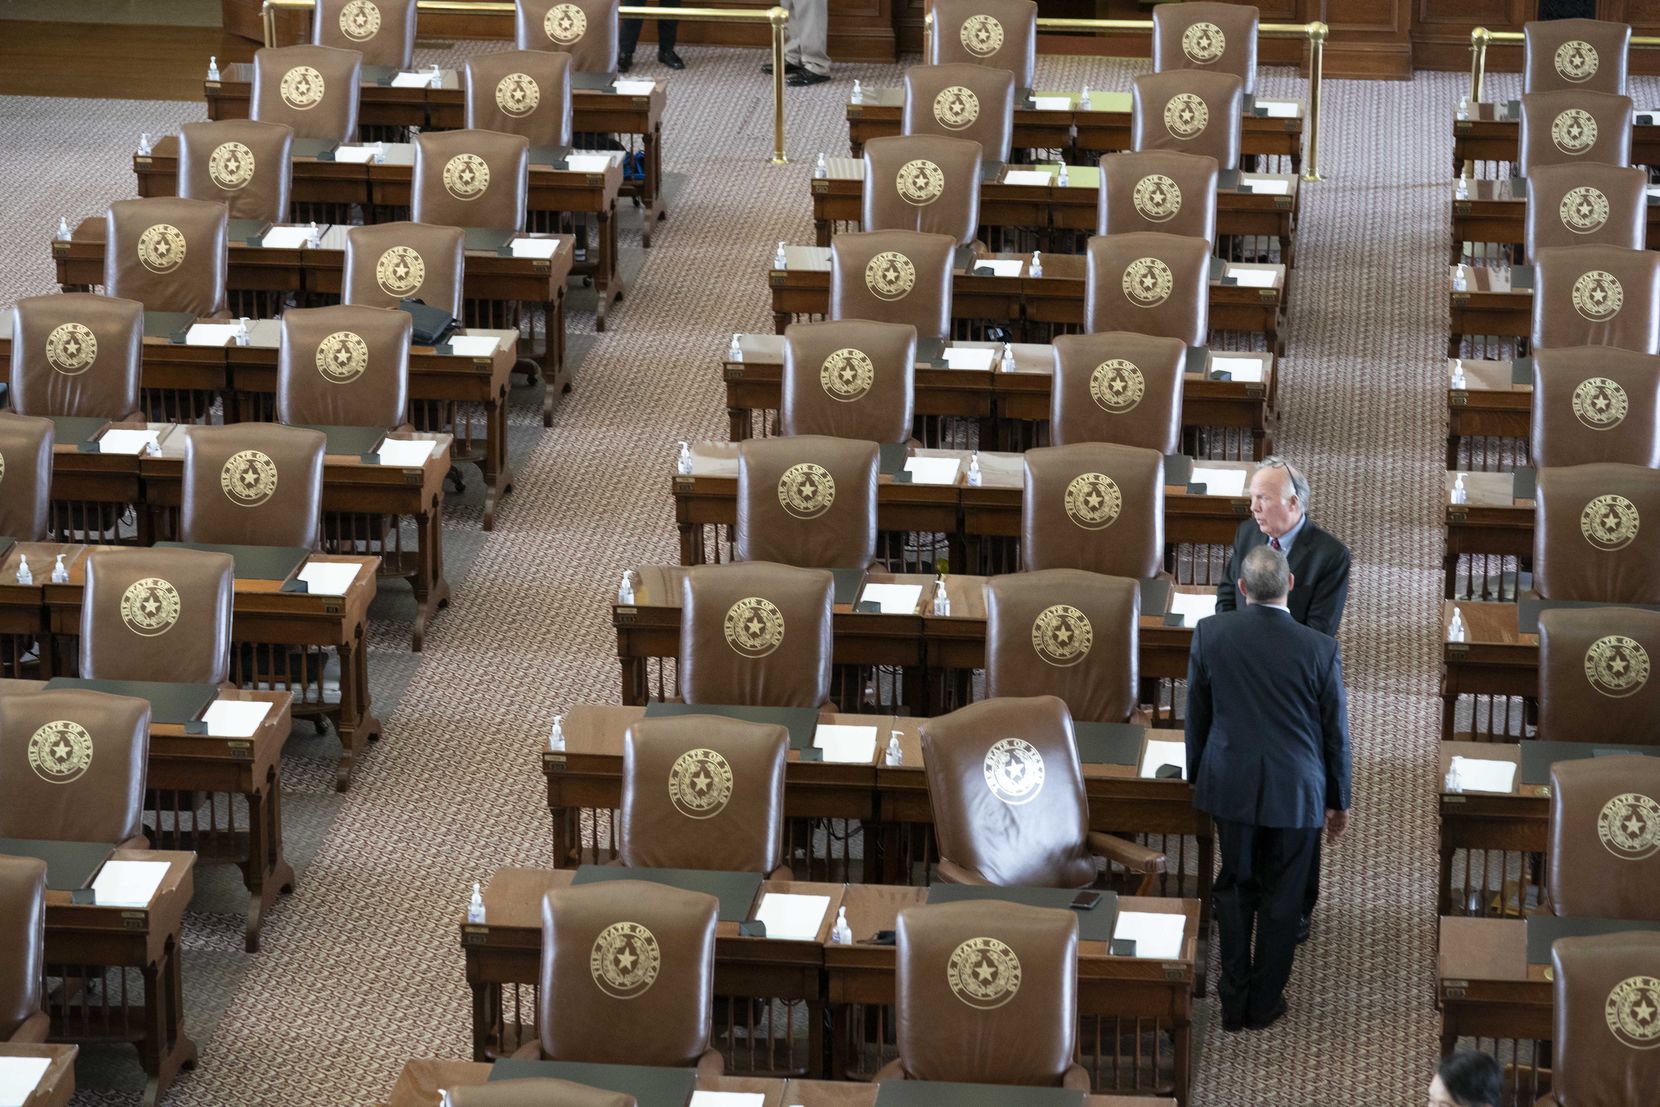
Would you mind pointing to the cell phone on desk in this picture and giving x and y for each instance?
(1085, 900)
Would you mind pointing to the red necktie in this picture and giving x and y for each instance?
(1274, 542)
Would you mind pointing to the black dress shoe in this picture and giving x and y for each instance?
(1303, 924)
(790, 68)
(670, 59)
(1233, 1024)
(1273, 1017)
(806, 77)
(625, 62)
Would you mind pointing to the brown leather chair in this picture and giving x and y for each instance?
(849, 378)
(1575, 53)
(536, 1092)
(244, 164)
(390, 262)
(313, 89)
(521, 92)
(961, 101)
(1604, 1025)
(252, 484)
(25, 476)
(1064, 633)
(755, 634)
(168, 253)
(923, 183)
(1594, 404)
(471, 179)
(383, 31)
(161, 615)
(1593, 536)
(343, 366)
(704, 792)
(987, 993)
(1001, 34)
(1148, 283)
(606, 947)
(1586, 205)
(23, 1017)
(807, 500)
(1594, 675)
(1096, 507)
(1188, 110)
(1597, 296)
(893, 277)
(72, 767)
(584, 29)
(1573, 127)
(77, 353)
(1604, 858)
(1158, 190)
(1221, 38)
(1118, 387)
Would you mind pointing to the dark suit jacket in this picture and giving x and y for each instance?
(1267, 729)
(1318, 561)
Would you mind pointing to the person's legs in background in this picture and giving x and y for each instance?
(628, 37)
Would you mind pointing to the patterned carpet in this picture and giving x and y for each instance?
(361, 967)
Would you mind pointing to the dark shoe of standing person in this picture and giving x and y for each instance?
(1304, 924)
(790, 68)
(806, 77)
(625, 62)
(670, 59)
(1274, 1016)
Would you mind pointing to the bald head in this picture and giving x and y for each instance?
(1265, 576)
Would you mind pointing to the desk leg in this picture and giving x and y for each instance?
(606, 277)
(557, 380)
(166, 1049)
(498, 476)
(1182, 1059)
(1449, 712)
(267, 872)
(432, 591)
(739, 425)
(691, 544)
(635, 681)
(356, 725)
(486, 1010)
(651, 190)
(821, 232)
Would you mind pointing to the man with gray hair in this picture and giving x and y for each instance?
(1268, 755)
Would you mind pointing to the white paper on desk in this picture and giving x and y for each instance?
(1160, 753)
(1252, 278)
(588, 163)
(404, 454)
(728, 1099)
(634, 88)
(1001, 267)
(933, 470)
(1052, 103)
(1269, 186)
(1192, 607)
(969, 357)
(126, 441)
(1220, 482)
(328, 578)
(19, 1077)
(475, 345)
(286, 238)
(1278, 109)
(851, 744)
(896, 599)
(1155, 935)
(128, 883)
(235, 718)
(411, 80)
(1479, 775)
(534, 247)
(791, 917)
(358, 155)
(210, 334)
(1239, 368)
(1028, 177)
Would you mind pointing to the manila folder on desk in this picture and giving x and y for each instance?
(69, 865)
(650, 1087)
(938, 1093)
(736, 891)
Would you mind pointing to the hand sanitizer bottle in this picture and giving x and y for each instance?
(1463, 191)
(64, 233)
(60, 573)
(380, 153)
(821, 168)
(736, 351)
(242, 334)
(1455, 776)
(841, 933)
(1083, 99)
(475, 906)
(1037, 264)
(1007, 362)
(1060, 174)
(858, 92)
(780, 260)
(144, 146)
(1455, 631)
(213, 68)
(894, 755)
(556, 737)
(683, 463)
(1463, 107)
(1460, 494)
(1460, 280)
(24, 576)
(942, 599)
(314, 236)
(625, 591)
(1458, 381)
(974, 469)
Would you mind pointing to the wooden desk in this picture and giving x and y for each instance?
(1061, 215)
(1035, 309)
(1495, 212)
(1490, 405)
(1491, 833)
(1486, 989)
(1496, 663)
(1491, 523)
(1103, 128)
(1491, 133)
(1007, 401)
(1488, 306)
(88, 940)
(57, 1083)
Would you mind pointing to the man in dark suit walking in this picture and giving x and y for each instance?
(1319, 562)
(1268, 755)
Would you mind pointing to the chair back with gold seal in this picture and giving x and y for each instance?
(25, 476)
(1593, 404)
(1593, 535)
(383, 31)
(1190, 111)
(849, 378)
(753, 633)
(157, 615)
(1594, 669)
(252, 484)
(313, 89)
(961, 101)
(1574, 127)
(1588, 54)
(1120, 387)
(1065, 633)
(521, 92)
(1596, 296)
(807, 500)
(344, 366)
(1148, 283)
(584, 29)
(923, 183)
(77, 353)
(1604, 858)
(1586, 204)
(1605, 1002)
(1096, 507)
(72, 767)
(606, 947)
(168, 253)
(471, 179)
(1220, 38)
(23, 1015)
(893, 277)
(1158, 190)
(243, 163)
(999, 34)
(387, 263)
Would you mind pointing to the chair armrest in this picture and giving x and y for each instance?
(951, 873)
(1121, 851)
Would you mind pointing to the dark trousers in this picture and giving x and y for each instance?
(1311, 890)
(1260, 889)
(628, 34)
